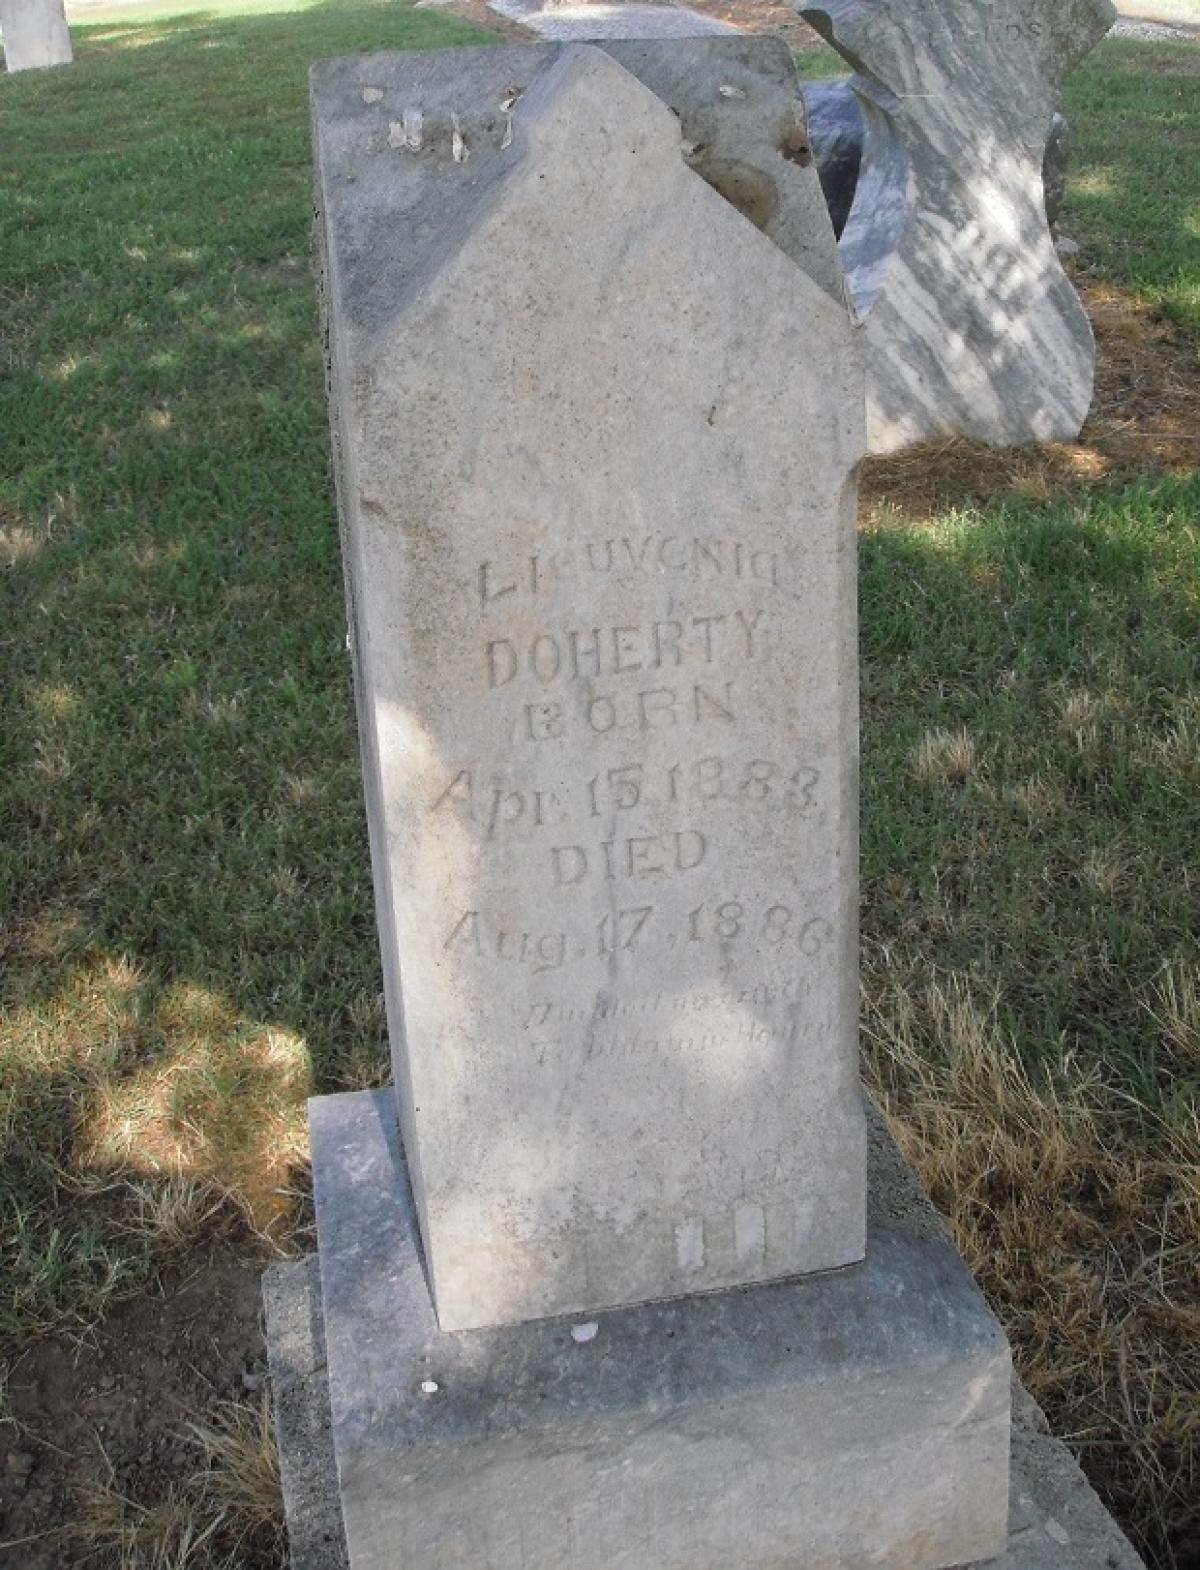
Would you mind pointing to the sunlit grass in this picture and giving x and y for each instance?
(1133, 201)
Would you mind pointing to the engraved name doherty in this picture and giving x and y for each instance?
(577, 655)
(603, 596)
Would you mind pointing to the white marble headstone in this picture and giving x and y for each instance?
(35, 34)
(972, 326)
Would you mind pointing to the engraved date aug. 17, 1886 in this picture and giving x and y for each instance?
(642, 930)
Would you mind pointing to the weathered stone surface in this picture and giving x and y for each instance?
(35, 34)
(836, 131)
(972, 325)
(603, 608)
(300, 1401)
(742, 121)
(1056, 162)
(852, 1419)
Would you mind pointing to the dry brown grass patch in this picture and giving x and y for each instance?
(223, 1109)
(1145, 420)
(1077, 1208)
(241, 1476)
(943, 756)
(230, 1506)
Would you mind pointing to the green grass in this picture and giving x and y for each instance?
(1134, 198)
(186, 930)
(1031, 954)
(1065, 642)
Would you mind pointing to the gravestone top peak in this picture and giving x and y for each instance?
(418, 137)
(602, 600)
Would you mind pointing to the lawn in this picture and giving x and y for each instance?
(186, 933)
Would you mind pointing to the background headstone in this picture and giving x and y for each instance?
(35, 34)
(973, 328)
(603, 608)
(836, 131)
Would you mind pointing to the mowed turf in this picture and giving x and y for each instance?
(186, 928)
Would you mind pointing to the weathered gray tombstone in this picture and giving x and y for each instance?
(972, 326)
(602, 604)
(35, 34)
(618, 667)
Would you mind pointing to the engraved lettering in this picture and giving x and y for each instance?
(633, 856)
(643, 855)
(657, 708)
(706, 624)
(570, 864)
(502, 662)
(690, 849)
(748, 626)
(543, 721)
(584, 654)
(487, 592)
(506, 807)
(636, 558)
(626, 649)
(677, 558)
(459, 789)
(545, 658)
(666, 637)
(711, 551)
(601, 714)
(627, 928)
(551, 950)
(465, 929)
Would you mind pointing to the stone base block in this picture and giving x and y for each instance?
(1056, 1522)
(835, 1422)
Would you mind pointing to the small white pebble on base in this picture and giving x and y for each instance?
(582, 1333)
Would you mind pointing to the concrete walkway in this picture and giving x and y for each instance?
(592, 19)
(1138, 27)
